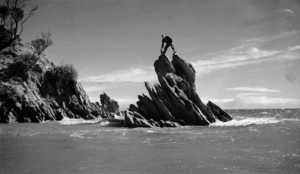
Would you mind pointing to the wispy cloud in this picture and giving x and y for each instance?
(234, 57)
(294, 48)
(125, 101)
(249, 52)
(255, 89)
(140, 74)
(94, 99)
(91, 86)
(259, 40)
(247, 100)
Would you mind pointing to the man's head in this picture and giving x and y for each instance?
(162, 36)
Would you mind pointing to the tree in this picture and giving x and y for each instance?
(41, 43)
(13, 16)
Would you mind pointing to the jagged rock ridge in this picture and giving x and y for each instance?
(35, 97)
(174, 101)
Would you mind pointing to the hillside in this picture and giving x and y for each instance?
(33, 89)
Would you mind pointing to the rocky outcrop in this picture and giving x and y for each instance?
(218, 112)
(109, 105)
(173, 101)
(35, 96)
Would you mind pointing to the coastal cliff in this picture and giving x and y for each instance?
(33, 89)
(173, 102)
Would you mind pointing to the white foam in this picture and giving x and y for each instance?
(246, 122)
(77, 135)
(71, 121)
(293, 155)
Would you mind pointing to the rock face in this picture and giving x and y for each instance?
(110, 105)
(34, 97)
(174, 101)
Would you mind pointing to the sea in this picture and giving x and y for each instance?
(255, 141)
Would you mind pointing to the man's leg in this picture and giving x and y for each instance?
(173, 48)
(166, 48)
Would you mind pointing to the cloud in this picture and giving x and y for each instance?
(234, 57)
(256, 89)
(248, 53)
(95, 88)
(90, 86)
(260, 40)
(125, 101)
(294, 48)
(251, 101)
(94, 99)
(140, 74)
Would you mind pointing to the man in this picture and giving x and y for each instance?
(169, 42)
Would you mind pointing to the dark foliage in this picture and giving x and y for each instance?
(22, 64)
(8, 94)
(62, 75)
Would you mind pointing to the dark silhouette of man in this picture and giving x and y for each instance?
(169, 42)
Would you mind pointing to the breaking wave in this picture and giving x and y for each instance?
(71, 121)
(247, 122)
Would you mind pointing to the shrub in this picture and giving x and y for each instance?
(22, 64)
(62, 75)
(8, 94)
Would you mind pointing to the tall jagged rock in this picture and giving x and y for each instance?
(173, 100)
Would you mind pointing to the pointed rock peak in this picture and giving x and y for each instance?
(163, 65)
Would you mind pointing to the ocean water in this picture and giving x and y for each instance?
(256, 141)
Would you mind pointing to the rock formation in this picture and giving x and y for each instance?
(110, 105)
(174, 101)
(35, 96)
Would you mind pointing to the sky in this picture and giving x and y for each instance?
(246, 52)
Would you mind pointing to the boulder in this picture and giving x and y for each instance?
(218, 112)
(134, 119)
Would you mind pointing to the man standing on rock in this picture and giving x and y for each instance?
(169, 42)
